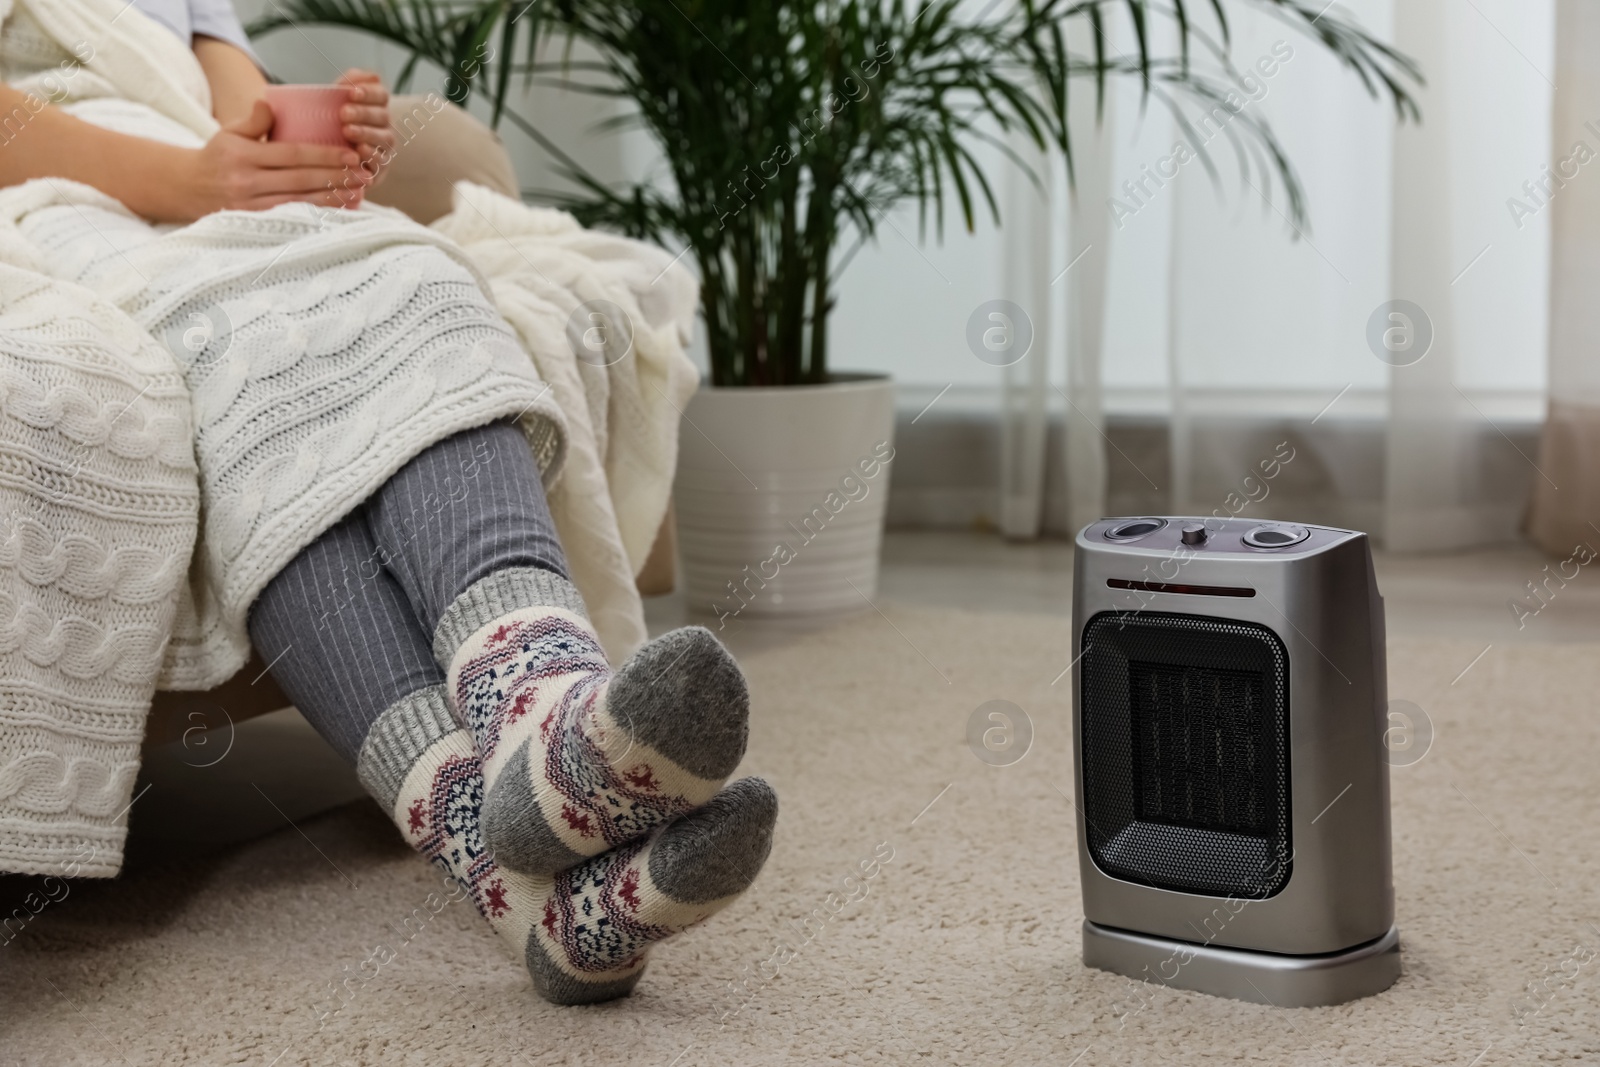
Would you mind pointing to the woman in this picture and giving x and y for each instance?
(441, 649)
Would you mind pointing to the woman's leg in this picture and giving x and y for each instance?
(576, 759)
(341, 639)
(464, 509)
(345, 647)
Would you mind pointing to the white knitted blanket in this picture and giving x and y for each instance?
(98, 499)
(318, 350)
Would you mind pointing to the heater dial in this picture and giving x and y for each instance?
(1276, 535)
(1134, 528)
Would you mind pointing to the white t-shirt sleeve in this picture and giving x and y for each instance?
(213, 18)
(216, 18)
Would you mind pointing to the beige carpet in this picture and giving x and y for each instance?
(964, 948)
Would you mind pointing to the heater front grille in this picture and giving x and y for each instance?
(1185, 732)
(1197, 748)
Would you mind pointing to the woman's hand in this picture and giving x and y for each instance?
(366, 121)
(239, 170)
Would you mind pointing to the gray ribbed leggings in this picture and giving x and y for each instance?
(348, 625)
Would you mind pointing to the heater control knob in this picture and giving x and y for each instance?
(1194, 533)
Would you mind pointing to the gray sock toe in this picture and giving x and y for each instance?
(514, 826)
(559, 987)
(718, 849)
(684, 695)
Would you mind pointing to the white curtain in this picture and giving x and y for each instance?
(1252, 335)
(1486, 129)
(1025, 385)
(1055, 244)
(1566, 498)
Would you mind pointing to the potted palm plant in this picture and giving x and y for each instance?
(787, 130)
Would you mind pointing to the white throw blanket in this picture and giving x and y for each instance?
(98, 499)
(321, 350)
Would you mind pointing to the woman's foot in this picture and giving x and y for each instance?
(602, 914)
(583, 932)
(578, 760)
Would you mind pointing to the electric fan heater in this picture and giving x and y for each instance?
(1232, 786)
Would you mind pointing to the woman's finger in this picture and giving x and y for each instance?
(305, 181)
(365, 87)
(367, 138)
(364, 115)
(375, 162)
(290, 154)
(256, 126)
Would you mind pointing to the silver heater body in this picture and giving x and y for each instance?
(1229, 711)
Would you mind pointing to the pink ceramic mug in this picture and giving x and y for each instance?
(309, 114)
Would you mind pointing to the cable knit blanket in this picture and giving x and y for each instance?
(183, 409)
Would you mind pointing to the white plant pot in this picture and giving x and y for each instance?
(781, 494)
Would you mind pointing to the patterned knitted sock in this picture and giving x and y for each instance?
(578, 760)
(583, 933)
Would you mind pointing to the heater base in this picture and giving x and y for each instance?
(1264, 977)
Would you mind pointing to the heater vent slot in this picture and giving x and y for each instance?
(1172, 587)
(1185, 732)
